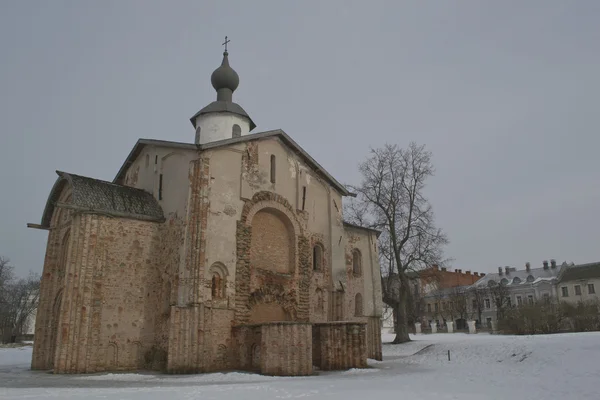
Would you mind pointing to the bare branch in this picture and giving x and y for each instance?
(390, 198)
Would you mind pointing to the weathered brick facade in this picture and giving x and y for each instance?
(247, 273)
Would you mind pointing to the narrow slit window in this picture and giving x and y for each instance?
(317, 257)
(160, 186)
(156, 159)
(272, 168)
(303, 197)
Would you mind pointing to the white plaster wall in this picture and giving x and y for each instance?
(225, 210)
(173, 164)
(585, 296)
(219, 126)
(230, 184)
(371, 273)
(338, 247)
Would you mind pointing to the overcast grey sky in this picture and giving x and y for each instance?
(505, 94)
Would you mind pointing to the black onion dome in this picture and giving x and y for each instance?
(225, 77)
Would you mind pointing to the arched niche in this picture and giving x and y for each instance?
(273, 242)
(218, 280)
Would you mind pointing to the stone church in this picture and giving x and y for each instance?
(228, 253)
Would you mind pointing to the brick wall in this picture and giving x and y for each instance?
(272, 245)
(278, 348)
(111, 286)
(339, 345)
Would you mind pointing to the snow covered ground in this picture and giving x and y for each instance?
(481, 366)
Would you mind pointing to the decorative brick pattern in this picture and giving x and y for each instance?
(252, 282)
(339, 345)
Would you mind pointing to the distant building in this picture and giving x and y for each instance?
(434, 286)
(577, 283)
(525, 286)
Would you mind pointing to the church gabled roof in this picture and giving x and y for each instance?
(97, 196)
(277, 133)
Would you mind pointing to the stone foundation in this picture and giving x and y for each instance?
(374, 338)
(276, 348)
(339, 345)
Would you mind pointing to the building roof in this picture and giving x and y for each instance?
(277, 133)
(225, 107)
(522, 277)
(581, 271)
(355, 226)
(97, 196)
(447, 291)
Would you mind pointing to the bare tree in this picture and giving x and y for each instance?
(458, 300)
(19, 299)
(477, 297)
(499, 294)
(390, 198)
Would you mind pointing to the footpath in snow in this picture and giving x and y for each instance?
(481, 366)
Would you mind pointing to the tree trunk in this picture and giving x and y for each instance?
(402, 320)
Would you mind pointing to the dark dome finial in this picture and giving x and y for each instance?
(224, 79)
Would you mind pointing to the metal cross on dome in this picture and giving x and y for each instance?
(225, 43)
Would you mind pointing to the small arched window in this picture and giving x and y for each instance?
(358, 305)
(356, 262)
(236, 131)
(516, 280)
(217, 287)
(272, 168)
(504, 281)
(218, 281)
(530, 278)
(198, 135)
(317, 257)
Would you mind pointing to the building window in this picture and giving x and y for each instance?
(530, 299)
(356, 262)
(218, 283)
(577, 290)
(358, 305)
(272, 168)
(317, 257)
(591, 289)
(508, 302)
(436, 307)
(428, 307)
(565, 291)
(487, 303)
(303, 197)
(519, 301)
(197, 135)
(474, 304)
(156, 159)
(217, 287)
(160, 186)
(444, 306)
(236, 131)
